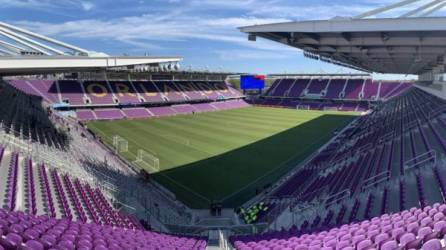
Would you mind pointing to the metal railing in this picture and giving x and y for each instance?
(375, 180)
(421, 160)
(439, 110)
(335, 198)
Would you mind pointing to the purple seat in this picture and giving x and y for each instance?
(364, 244)
(440, 227)
(16, 228)
(33, 245)
(438, 216)
(381, 238)
(65, 244)
(48, 240)
(11, 241)
(390, 245)
(409, 241)
(100, 247)
(413, 227)
(427, 234)
(30, 234)
(433, 244)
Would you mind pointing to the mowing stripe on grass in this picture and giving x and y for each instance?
(225, 155)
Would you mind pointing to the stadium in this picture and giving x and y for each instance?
(135, 152)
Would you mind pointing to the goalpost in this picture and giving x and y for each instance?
(146, 159)
(120, 144)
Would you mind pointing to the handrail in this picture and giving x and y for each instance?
(387, 137)
(375, 180)
(430, 156)
(436, 111)
(337, 197)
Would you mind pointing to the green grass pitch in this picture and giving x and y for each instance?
(225, 156)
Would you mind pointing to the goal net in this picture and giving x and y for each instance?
(303, 107)
(120, 144)
(147, 160)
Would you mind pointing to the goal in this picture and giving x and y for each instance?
(120, 144)
(147, 160)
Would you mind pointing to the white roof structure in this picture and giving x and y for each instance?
(410, 44)
(25, 52)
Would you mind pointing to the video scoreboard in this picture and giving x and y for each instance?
(251, 82)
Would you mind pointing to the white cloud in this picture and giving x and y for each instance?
(46, 5)
(87, 6)
(137, 30)
(185, 20)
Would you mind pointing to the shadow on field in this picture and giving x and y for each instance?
(236, 176)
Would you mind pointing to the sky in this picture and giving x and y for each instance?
(203, 32)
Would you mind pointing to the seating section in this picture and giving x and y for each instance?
(47, 167)
(24, 231)
(71, 92)
(135, 113)
(99, 100)
(109, 114)
(124, 91)
(395, 150)
(43, 88)
(142, 112)
(370, 90)
(90, 93)
(313, 105)
(416, 228)
(353, 89)
(22, 115)
(47, 191)
(352, 95)
(317, 86)
(85, 115)
(335, 88)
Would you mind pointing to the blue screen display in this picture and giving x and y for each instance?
(252, 82)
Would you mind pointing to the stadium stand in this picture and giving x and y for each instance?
(41, 190)
(335, 88)
(40, 152)
(365, 173)
(398, 150)
(416, 228)
(329, 93)
(25, 231)
(23, 116)
(124, 92)
(373, 179)
(356, 193)
(99, 100)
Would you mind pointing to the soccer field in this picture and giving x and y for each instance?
(224, 156)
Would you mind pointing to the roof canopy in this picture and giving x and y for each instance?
(385, 45)
(411, 43)
(25, 52)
